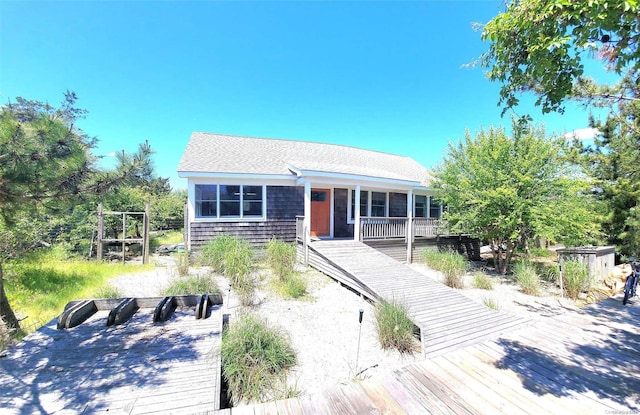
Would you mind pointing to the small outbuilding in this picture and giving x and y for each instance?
(600, 260)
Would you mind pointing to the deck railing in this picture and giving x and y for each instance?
(388, 228)
(428, 227)
(382, 228)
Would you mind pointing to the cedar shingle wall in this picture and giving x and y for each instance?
(285, 202)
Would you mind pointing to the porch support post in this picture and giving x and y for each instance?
(307, 212)
(356, 214)
(409, 225)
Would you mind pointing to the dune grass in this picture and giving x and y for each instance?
(527, 277)
(256, 357)
(40, 285)
(192, 284)
(481, 281)
(395, 329)
(450, 263)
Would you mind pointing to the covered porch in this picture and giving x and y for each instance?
(399, 238)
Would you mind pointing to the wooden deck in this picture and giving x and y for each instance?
(585, 362)
(447, 319)
(136, 367)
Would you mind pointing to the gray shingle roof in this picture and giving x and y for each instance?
(218, 153)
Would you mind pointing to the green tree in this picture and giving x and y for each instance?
(507, 190)
(46, 166)
(540, 45)
(612, 160)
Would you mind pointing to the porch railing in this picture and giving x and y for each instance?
(428, 227)
(382, 228)
(387, 228)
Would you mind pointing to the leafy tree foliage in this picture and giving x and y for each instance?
(507, 190)
(540, 45)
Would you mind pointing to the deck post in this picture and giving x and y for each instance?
(356, 215)
(307, 217)
(100, 233)
(409, 232)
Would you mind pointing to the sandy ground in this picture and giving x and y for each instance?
(332, 347)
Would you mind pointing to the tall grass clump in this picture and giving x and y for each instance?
(182, 263)
(281, 257)
(293, 286)
(213, 252)
(395, 329)
(107, 291)
(255, 360)
(232, 257)
(452, 265)
(575, 278)
(491, 303)
(482, 281)
(527, 277)
(192, 284)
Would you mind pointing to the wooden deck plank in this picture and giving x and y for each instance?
(548, 402)
(381, 398)
(448, 397)
(540, 369)
(498, 383)
(440, 312)
(402, 394)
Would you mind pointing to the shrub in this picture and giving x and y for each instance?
(255, 360)
(281, 257)
(482, 281)
(192, 284)
(575, 278)
(395, 329)
(451, 264)
(526, 276)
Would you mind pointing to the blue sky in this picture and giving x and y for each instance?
(385, 76)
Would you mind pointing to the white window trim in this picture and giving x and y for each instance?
(368, 212)
(239, 218)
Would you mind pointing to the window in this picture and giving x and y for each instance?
(378, 204)
(319, 196)
(364, 198)
(252, 201)
(229, 201)
(206, 201)
(434, 210)
(421, 207)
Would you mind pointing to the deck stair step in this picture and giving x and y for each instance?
(447, 319)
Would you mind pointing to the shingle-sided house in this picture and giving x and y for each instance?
(258, 188)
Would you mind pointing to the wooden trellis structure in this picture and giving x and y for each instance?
(144, 240)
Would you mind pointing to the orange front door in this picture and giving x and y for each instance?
(320, 212)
